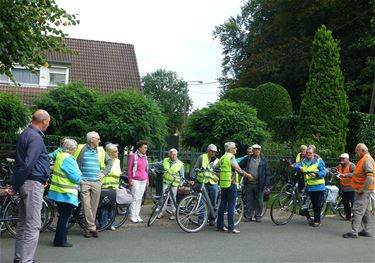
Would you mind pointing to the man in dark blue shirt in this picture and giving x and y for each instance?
(30, 173)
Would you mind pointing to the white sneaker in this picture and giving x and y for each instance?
(113, 228)
(140, 220)
(132, 219)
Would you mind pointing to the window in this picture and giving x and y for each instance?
(57, 76)
(25, 76)
(4, 79)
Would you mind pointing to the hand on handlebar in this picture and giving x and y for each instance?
(248, 176)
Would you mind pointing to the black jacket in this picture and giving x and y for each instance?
(264, 172)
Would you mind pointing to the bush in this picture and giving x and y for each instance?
(271, 100)
(224, 121)
(361, 130)
(128, 116)
(284, 128)
(13, 114)
(70, 107)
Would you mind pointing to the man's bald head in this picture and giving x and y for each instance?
(41, 119)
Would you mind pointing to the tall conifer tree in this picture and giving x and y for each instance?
(324, 107)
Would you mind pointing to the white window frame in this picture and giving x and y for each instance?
(25, 83)
(57, 70)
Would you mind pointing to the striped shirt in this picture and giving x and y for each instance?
(90, 165)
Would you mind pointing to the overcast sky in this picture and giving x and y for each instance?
(174, 35)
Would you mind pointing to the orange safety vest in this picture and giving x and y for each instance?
(359, 177)
(344, 181)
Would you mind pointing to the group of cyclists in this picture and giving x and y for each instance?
(86, 169)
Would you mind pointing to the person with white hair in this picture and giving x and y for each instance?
(228, 183)
(174, 175)
(345, 170)
(110, 181)
(94, 163)
(364, 184)
(63, 190)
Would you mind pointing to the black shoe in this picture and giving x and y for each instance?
(258, 219)
(316, 224)
(364, 234)
(63, 245)
(349, 235)
(310, 221)
(94, 233)
(87, 234)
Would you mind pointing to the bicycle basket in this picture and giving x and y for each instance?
(332, 193)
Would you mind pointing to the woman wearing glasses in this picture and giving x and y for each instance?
(314, 170)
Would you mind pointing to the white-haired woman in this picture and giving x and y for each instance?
(63, 190)
(174, 174)
(228, 184)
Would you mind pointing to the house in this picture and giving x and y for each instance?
(107, 66)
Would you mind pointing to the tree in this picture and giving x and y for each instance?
(70, 107)
(224, 121)
(269, 42)
(13, 114)
(245, 95)
(28, 29)
(324, 108)
(127, 116)
(271, 100)
(170, 92)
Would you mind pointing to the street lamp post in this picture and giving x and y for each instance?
(191, 82)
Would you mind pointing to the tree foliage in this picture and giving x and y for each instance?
(70, 107)
(269, 42)
(27, 29)
(13, 114)
(324, 108)
(170, 92)
(224, 121)
(271, 100)
(128, 116)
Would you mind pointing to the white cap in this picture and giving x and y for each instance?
(212, 147)
(256, 146)
(110, 147)
(344, 156)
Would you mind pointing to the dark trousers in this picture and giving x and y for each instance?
(316, 198)
(253, 201)
(347, 201)
(65, 212)
(228, 200)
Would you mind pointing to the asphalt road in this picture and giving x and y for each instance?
(166, 242)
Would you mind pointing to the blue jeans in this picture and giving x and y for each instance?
(228, 200)
(105, 215)
(65, 212)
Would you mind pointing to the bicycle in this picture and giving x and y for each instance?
(285, 203)
(9, 203)
(119, 213)
(332, 198)
(196, 209)
(160, 202)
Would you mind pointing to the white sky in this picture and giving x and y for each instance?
(174, 35)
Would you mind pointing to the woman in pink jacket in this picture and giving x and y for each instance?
(138, 178)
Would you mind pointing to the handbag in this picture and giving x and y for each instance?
(107, 197)
(124, 196)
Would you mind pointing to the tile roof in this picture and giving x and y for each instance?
(107, 66)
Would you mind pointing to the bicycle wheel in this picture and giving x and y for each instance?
(265, 203)
(121, 215)
(238, 212)
(340, 208)
(44, 216)
(192, 214)
(53, 212)
(11, 215)
(156, 210)
(283, 208)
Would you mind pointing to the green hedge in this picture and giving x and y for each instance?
(284, 128)
(361, 129)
